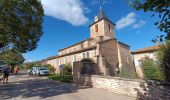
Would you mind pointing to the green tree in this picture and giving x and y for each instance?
(12, 58)
(163, 57)
(20, 24)
(151, 69)
(159, 8)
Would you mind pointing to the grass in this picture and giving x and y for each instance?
(65, 78)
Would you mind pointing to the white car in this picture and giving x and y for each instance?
(41, 71)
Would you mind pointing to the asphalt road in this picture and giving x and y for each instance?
(22, 87)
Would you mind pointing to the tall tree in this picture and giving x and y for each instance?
(160, 8)
(20, 24)
(12, 58)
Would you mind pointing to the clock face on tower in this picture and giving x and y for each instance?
(96, 18)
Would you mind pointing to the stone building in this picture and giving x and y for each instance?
(102, 46)
(140, 54)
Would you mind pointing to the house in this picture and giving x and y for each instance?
(138, 55)
(102, 46)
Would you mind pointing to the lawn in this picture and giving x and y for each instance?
(65, 78)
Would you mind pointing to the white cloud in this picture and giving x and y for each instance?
(68, 10)
(126, 21)
(139, 24)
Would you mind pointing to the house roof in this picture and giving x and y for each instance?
(147, 49)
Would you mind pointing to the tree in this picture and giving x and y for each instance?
(159, 8)
(163, 57)
(12, 58)
(20, 24)
(151, 69)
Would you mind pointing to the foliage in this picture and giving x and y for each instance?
(12, 58)
(29, 65)
(65, 78)
(127, 72)
(87, 60)
(159, 8)
(151, 69)
(67, 69)
(20, 24)
(50, 68)
(163, 57)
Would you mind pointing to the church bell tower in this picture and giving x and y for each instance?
(102, 26)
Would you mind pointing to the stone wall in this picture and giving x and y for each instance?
(108, 49)
(141, 89)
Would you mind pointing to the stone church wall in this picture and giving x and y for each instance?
(108, 49)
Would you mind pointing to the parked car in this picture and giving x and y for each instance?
(39, 71)
(42, 71)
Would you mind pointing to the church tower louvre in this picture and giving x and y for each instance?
(102, 26)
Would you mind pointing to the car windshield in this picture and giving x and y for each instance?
(43, 69)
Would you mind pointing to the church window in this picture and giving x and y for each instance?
(96, 28)
(84, 55)
(109, 27)
(74, 58)
(87, 54)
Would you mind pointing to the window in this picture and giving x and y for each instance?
(139, 62)
(87, 55)
(84, 55)
(74, 58)
(109, 27)
(96, 28)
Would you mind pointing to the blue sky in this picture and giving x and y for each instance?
(67, 22)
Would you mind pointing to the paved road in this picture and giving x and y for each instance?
(21, 87)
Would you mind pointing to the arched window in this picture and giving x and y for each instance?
(74, 58)
(87, 54)
(109, 27)
(84, 55)
(96, 28)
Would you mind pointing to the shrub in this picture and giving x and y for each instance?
(50, 68)
(128, 72)
(163, 57)
(151, 69)
(67, 69)
(87, 60)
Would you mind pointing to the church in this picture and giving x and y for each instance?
(102, 47)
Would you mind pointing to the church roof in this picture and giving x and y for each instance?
(101, 14)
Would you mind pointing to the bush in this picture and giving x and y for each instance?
(50, 68)
(67, 69)
(128, 72)
(163, 57)
(87, 60)
(65, 78)
(151, 69)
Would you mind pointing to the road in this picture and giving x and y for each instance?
(22, 87)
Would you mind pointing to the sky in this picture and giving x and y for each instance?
(66, 22)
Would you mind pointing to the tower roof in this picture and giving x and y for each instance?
(101, 14)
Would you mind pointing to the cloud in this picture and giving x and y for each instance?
(68, 10)
(126, 21)
(139, 24)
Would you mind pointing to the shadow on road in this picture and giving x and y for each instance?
(42, 88)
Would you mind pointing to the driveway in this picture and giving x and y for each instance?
(22, 87)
